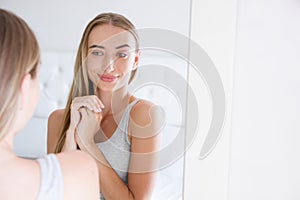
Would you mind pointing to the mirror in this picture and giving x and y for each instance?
(59, 26)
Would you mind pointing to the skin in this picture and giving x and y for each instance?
(111, 54)
(20, 178)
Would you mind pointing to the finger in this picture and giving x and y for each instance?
(83, 112)
(78, 103)
(84, 103)
(91, 102)
(89, 120)
(79, 115)
(88, 115)
(75, 117)
(98, 103)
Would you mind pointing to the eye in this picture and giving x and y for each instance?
(97, 53)
(122, 54)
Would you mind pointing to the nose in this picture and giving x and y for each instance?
(110, 65)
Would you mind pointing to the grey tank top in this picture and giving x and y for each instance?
(117, 148)
(51, 186)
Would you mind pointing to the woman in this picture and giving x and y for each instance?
(68, 175)
(101, 110)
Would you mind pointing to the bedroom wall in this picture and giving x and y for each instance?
(213, 28)
(265, 148)
(255, 46)
(49, 19)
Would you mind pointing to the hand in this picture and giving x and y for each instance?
(91, 102)
(88, 126)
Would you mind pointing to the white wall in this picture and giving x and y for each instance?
(60, 24)
(213, 28)
(265, 159)
(261, 160)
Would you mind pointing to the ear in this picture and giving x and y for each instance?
(25, 87)
(136, 60)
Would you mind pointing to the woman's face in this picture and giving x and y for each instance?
(111, 57)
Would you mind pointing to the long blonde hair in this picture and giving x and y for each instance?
(81, 85)
(19, 55)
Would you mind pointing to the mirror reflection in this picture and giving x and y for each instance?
(110, 65)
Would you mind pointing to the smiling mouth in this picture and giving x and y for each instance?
(108, 78)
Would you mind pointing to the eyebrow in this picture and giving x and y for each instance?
(102, 47)
(121, 46)
(96, 46)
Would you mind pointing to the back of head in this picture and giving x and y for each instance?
(19, 55)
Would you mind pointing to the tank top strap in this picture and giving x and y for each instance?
(51, 178)
(123, 124)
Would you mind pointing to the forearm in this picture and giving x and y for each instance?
(111, 185)
(70, 143)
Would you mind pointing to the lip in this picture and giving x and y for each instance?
(108, 78)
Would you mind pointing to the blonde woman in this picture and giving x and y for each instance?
(63, 176)
(120, 131)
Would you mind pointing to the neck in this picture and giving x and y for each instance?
(7, 143)
(114, 101)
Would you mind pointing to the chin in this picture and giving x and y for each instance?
(107, 88)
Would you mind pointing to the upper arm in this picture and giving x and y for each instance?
(146, 123)
(53, 129)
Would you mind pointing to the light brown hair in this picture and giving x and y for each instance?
(19, 55)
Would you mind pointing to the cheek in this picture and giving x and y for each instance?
(93, 76)
(125, 66)
(95, 65)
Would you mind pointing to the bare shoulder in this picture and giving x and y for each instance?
(55, 120)
(144, 112)
(53, 130)
(146, 120)
(24, 171)
(56, 116)
(76, 160)
(80, 175)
